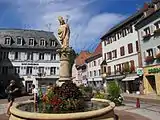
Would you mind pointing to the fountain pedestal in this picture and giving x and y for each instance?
(64, 72)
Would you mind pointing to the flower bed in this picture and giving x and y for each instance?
(149, 59)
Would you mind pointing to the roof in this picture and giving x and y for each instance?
(80, 60)
(25, 35)
(96, 54)
(153, 14)
(122, 23)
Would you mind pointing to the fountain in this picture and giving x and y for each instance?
(64, 102)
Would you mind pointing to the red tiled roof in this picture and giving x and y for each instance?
(80, 60)
(98, 50)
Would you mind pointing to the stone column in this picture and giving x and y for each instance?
(64, 73)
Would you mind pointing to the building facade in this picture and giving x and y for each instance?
(29, 56)
(120, 49)
(79, 69)
(149, 36)
(94, 68)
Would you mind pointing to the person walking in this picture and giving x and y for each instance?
(11, 90)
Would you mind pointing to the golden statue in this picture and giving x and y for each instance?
(63, 32)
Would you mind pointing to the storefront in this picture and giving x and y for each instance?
(151, 80)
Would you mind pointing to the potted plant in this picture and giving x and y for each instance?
(149, 59)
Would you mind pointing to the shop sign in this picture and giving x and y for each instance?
(154, 70)
(140, 71)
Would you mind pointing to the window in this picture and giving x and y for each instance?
(16, 57)
(109, 70)
(41, 56)
(157, 25)
(105, 57)
(105, 43)
(150, 52)
(42, 42)
(99, 62)
(41, 70)
(31, 41)
(99, 72)
(132, 66)
(109, 56)
(137, 46)
(5, 70)
(5, 55)
(94, 73)
(114, 54)
(52, 43)
(30, 56)
(29, 70)
(53, 71)
(19, 40)
(94, 62)
(90, 73)
(130, 48)
(53, 56)
(105, 70)
(17, 70)
(7, 41)
(147, 31)
(122, 52)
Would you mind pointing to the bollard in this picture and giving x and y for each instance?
(137, 103)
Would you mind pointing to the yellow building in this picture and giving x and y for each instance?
(151, 80)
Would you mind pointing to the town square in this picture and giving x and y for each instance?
(80, 60)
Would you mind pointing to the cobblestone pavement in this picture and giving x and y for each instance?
(150, 111)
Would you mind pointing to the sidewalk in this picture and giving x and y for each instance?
(154, 99)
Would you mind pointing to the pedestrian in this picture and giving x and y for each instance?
(11, 90)
(34, 93)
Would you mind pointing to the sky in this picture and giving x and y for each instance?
(89, 20)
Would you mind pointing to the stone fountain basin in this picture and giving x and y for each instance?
(106, 113)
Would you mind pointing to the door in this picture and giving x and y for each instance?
(152, 82)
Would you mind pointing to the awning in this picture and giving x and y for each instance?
(130, 78)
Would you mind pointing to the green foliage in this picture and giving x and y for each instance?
(114, 93)
(87, 92)
(100, 95)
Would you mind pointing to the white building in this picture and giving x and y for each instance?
(149, 36)
(79, 69)
(29, 56)
(94, 68)
(120, 50)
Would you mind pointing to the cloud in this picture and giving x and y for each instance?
(86, 28)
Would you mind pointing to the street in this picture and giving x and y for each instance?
(151, 111)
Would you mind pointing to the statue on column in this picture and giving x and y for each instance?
(63, 32)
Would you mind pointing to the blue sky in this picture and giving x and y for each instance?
(88, 19)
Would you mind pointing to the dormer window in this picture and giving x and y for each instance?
(42, 42)
(19, 40)
(7, 40)
(31, 41)
(52, 43)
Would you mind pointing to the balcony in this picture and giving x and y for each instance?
(149, 59)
